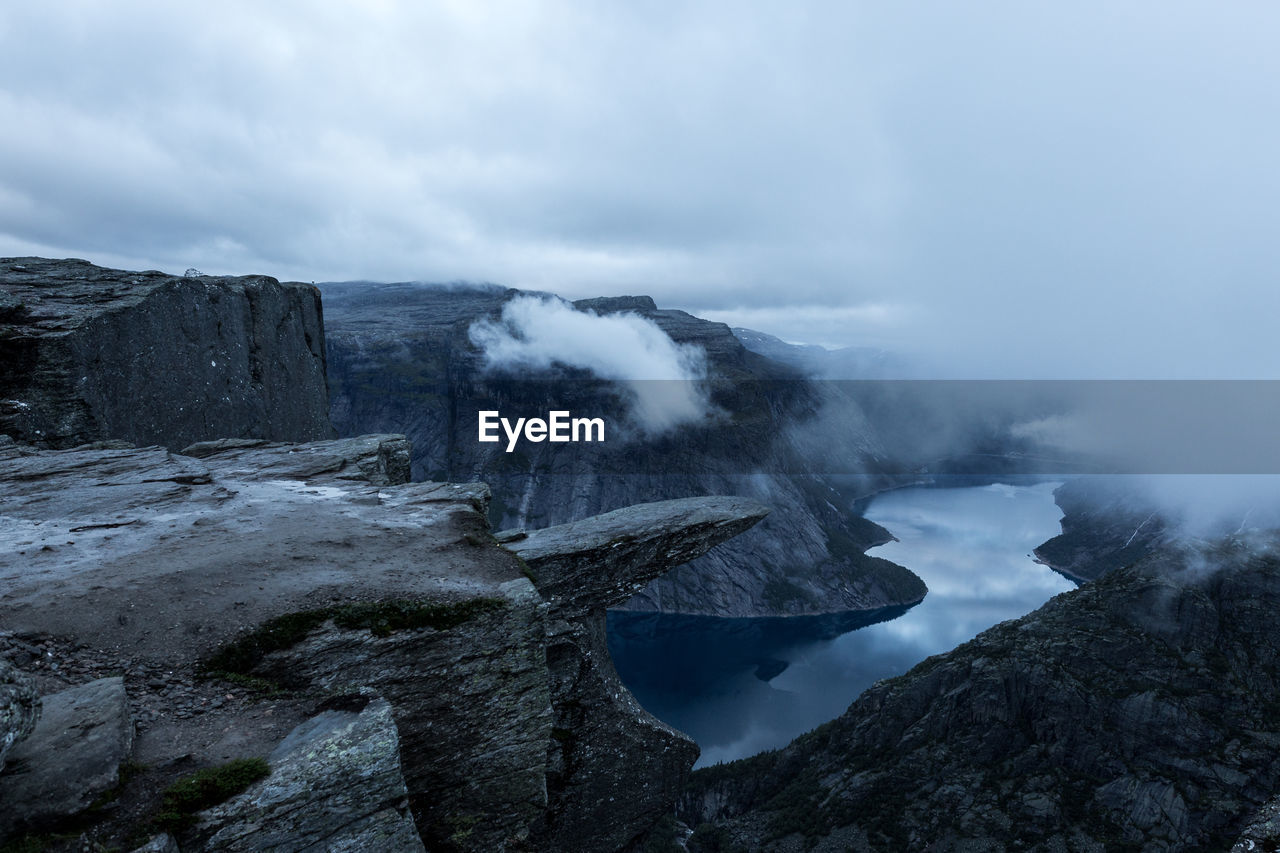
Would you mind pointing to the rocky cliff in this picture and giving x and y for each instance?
(1106, 524)
(401, 355)
(253, 593)
(91, 354)
(1138, 712)
(254, 645)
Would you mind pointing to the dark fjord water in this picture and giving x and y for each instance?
(739, 686)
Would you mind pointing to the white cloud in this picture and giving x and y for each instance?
(663, 378)
(1070, 191)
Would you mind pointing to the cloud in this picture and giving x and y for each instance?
(1010, 190)
(663, 379)
(1159, 427)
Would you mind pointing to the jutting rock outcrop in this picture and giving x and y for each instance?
(307, 571)
(94, 354)
(611, 763)
(401, 358)
(1137, 712)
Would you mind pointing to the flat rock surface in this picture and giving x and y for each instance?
(72, 757)
(602, 561)
(167, 555)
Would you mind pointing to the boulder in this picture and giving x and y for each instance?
(19, 707)
(71, 759)
(335, 785)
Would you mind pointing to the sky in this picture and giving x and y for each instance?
(999, 189)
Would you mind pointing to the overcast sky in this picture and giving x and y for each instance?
(1010, 189)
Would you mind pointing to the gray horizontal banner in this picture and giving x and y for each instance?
(868, 427)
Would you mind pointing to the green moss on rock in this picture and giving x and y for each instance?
(205, 789)
(380, 618)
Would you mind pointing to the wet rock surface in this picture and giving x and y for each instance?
(1138, 712)
(238, 588)
(92, 353)
(168, 555)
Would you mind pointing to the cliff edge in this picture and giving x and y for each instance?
(95, 354)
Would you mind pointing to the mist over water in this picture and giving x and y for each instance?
(970, 545)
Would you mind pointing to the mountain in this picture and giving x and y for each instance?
(402, 355)
(258, 645)
(1106, 524)
(1138, 712)
(1114, 521)
(840, 363)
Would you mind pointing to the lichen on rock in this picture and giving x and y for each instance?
(19, 707)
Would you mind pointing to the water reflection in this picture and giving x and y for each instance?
(739, 686)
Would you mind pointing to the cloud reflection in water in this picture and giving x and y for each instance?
(970, 545)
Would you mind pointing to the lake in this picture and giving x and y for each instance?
(740, 686)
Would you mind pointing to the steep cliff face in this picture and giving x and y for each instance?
(310, 572)
(1138, 712)
(93, 354)
(401, 354)
(612, 762)
(1106, 524)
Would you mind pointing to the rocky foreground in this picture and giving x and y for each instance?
(242, 644)
(367, 637)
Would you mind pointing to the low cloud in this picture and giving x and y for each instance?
(662, 379)
(1208, 506)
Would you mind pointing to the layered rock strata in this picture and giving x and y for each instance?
(611, 763)
(94, 354)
